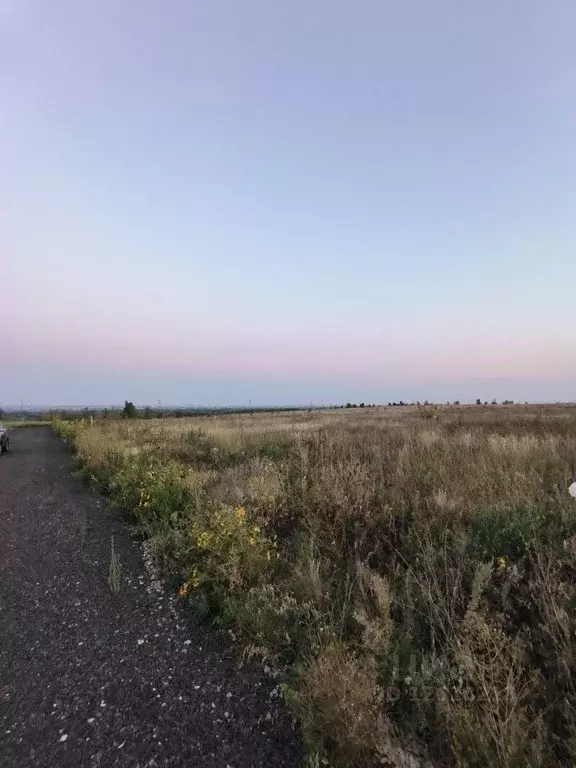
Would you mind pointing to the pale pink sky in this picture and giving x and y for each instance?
(291, 202)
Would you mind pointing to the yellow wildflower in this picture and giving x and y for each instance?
(501, 562)
(203, 540)
(240, 513)
(183, 591)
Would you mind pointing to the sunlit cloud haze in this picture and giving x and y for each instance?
(216, 203)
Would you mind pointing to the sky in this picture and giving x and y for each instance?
(216, 203)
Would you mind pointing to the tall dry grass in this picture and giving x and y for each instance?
(408, 572)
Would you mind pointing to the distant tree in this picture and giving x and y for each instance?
(129, 411)
(494, 402)
(148, 413)
(2, 414)
(485, 402)
(348, 405)
(478, 401)
(361, 405)
(456, 402)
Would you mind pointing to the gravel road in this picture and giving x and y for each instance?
(90, 676)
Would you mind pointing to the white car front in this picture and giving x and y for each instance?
(4, 439)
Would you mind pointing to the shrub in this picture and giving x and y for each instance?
(230, 556)
(341, 707)
(504, 533)
(129, 411)
(490, 713)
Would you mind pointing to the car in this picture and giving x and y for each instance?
(4, 438)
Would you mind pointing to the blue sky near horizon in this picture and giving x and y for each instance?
(214, 202)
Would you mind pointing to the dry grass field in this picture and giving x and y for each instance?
(409, 573)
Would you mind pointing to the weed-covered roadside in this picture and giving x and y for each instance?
(413, 585)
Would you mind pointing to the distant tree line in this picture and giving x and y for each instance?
(426, 403)
(131, 411)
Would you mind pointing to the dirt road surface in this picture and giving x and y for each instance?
(90, 676)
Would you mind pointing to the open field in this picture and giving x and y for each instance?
(410, 573)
